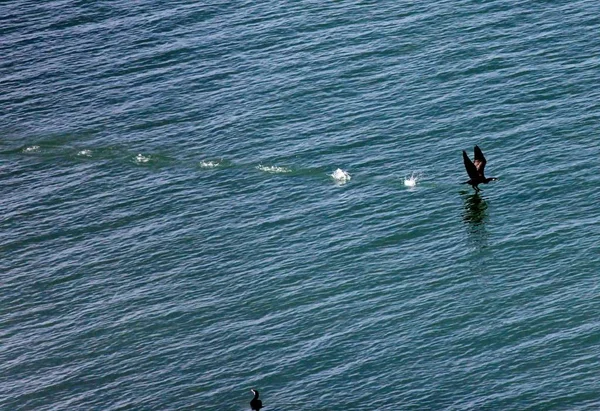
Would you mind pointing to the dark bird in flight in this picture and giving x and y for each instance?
(255, 404)
(475, 169)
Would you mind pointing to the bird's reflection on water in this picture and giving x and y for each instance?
(475, 215)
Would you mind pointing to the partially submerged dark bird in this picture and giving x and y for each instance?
(255, 404)
(475, 169)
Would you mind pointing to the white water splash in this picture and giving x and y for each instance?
(209, 164)
(273, 169)
(31, 149)
(341, 176)
(85, 153)
(141, 159)
(412, 180)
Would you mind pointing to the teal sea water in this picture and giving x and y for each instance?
(171, 235)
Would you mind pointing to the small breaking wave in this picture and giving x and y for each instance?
(273, 169)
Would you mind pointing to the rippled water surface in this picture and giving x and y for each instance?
(199, 198)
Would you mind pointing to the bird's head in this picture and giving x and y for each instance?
(254, 392)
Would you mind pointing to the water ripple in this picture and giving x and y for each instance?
(172, 236)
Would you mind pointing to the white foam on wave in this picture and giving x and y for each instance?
(85, 153)
(210, 164)
(31, 149)
(273, 169)
(412, 180)
(340, 176)
(140, 159)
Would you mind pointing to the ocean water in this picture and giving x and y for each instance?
(175, 230)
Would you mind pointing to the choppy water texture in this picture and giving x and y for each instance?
(171, 235)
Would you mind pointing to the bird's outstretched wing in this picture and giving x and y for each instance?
(471, 169)
(479, 160)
